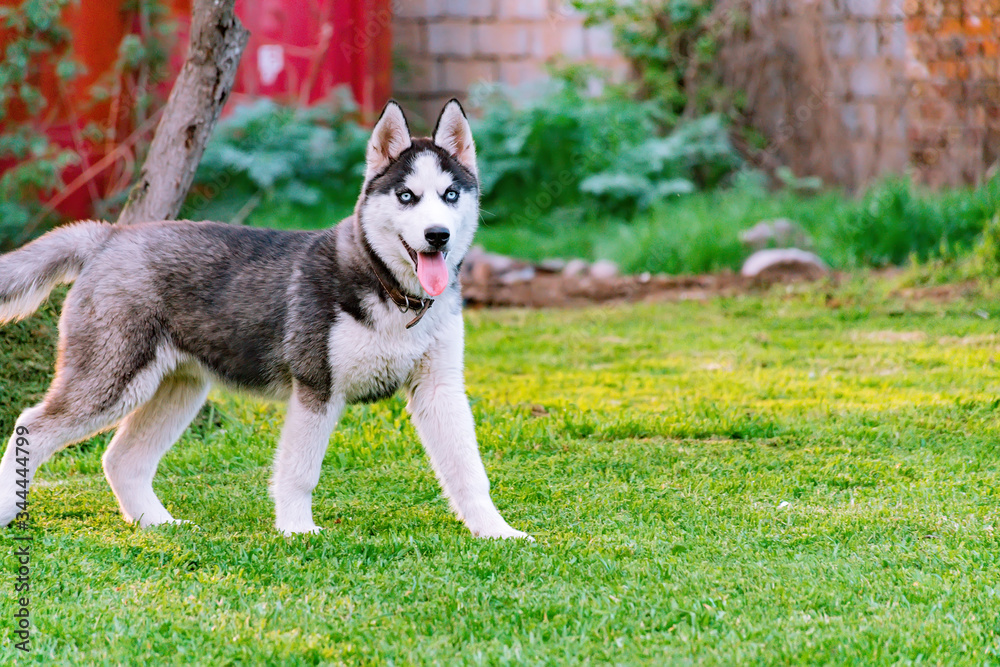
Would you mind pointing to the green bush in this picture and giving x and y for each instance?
(601, 154)
(267, 152)
(673, 47)
(696, 156)
(533, 156)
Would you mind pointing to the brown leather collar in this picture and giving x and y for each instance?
(403, 301)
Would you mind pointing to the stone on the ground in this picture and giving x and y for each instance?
(471, 260)
(552, 265)
(479, 272)
(524, 274)
(784, 260)
(780, 232)
(500, 264)
(575, 267)
(482, 266)
(603, 269)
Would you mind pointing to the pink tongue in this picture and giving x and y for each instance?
(432, 272)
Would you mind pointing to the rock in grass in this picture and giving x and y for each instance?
(575, 267)
(524, 274)
(482, 267)
(603, 269)
(471, 259)
(551, 265)
(784, 262)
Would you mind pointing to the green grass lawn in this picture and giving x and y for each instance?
(757, 479)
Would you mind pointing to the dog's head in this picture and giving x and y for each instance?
(419, 205)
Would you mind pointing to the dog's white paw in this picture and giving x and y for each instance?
(153, 519)
(8, 514)
(518, 535)
(504, 533)
(310, 529)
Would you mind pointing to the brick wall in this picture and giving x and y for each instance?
(953, 72)
(444, 46)
(852, 90)
(849, 90)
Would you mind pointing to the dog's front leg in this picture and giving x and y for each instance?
(443, 419)
(299, 458)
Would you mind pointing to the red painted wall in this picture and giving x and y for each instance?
(299, 51)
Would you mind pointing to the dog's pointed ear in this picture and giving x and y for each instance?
(390, 137)
(453, 134)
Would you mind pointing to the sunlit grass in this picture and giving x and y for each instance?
(755, 479)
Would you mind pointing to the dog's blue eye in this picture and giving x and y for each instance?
(451, 195)
(405, 196)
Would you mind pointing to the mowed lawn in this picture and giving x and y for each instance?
(785, 478)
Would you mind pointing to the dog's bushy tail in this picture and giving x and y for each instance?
(28, 275)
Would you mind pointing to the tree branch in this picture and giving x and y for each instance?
(202, 87)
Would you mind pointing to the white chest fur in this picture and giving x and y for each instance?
(371, 363)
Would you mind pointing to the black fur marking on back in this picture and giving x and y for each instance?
(314, 309)
(397, 171)
(224, 292)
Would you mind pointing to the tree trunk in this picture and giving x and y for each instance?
(201, 88)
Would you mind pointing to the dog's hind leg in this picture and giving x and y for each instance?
(297, 463)
(71, 411)
(142, 439)
(99, 379)
(39, 433)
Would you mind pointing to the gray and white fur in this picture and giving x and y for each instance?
(160, 311)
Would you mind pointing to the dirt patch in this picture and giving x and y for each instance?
(940, 293)
(543, 289)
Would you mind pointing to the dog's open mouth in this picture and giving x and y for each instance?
(432, 272)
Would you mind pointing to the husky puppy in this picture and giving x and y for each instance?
(160, 311)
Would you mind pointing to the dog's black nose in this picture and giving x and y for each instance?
(437, 236)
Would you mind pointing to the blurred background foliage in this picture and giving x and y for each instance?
(673, 47)
(36, 35)
(37, 51)
(656, 173)
(264, 154)
(566, 174)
